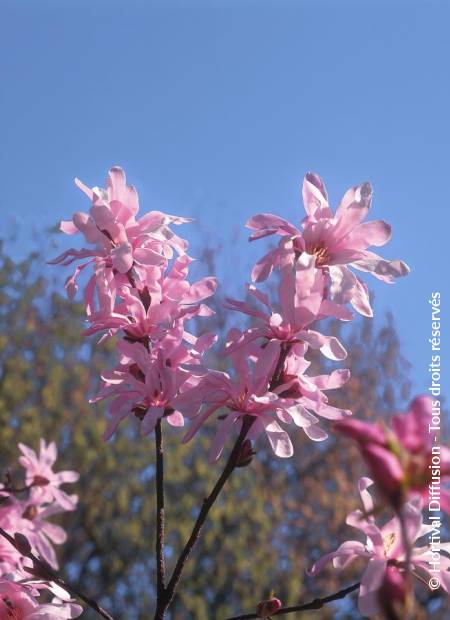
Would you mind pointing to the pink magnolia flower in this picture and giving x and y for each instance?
(400, 459)
(30, 520)
(46, 483)
(153, 309)
(305, 393)
(250, 394)
(121, 242)
(301, 302)
(29, 516)
(382, 550)
(149, 385)
(336, 241)
(19, 602)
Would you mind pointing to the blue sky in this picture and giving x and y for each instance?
(217, 109)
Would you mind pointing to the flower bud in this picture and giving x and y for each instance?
(264, 609)
(30, 513)
(246, 454)
(22, 543)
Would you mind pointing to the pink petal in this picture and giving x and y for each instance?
(175, 419)
(370, 584)
(366, 498)
(348, 551)
(262, 297)
(353, 208)
(314, 194)
(369, 233)
(332, 413)
(151, 417)
(330, 308)
(332, 381)
(220, 438)
(122, 258)
(68, 227)
(279, 440)
(263, 268)
(328, 345)
(315, 433)
(85, 189)
(87, 226)
(201, 290)
(360, 298)
(68, 476)
(412, 427)
(271, 224)
(382, 269)
(147, 256)
(362, 432)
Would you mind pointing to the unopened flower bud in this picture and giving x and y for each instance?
(22, 543)
(246, 454)
(30, 513)
(264, 609)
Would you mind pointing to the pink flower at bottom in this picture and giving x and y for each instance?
(384, 549)
(46, 483)
(18, 602)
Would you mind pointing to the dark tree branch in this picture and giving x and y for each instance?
(167, 594)
(44, 571)
(206, 507)
(160, 518)
(317, 603)
(284, 352)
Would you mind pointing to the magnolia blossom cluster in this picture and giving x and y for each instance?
(139, 292)
(25, 510)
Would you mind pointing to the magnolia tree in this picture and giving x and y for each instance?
(138, 293)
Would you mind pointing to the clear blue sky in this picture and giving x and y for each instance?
(217, 109)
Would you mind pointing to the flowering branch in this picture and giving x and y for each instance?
(139, 291)
(317, 603)
(42, 569)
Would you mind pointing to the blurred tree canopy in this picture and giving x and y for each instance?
(274, 518)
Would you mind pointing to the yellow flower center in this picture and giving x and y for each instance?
(388, 542)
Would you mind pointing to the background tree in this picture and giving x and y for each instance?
(275, 516)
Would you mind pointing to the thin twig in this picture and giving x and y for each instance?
(169, 591)
(206, 507)
(160, 560)
(276, 377)
(317, 603)
(43, 570)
